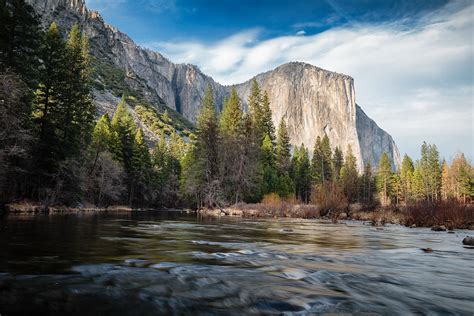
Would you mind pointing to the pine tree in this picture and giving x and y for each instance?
(124, 130)
(202, 174)
(20, 40)
(300, 173)
(232, 117)
(77, 108)
(140, 170)
(367, 185)
(384, 177)
(337, 163)
(254, 104)
(406, 177)
(266, 123)
(322, 161)
(430, 171)
(46, 110)
(349, 175)
(418, 184)
(101, 138)
(232, 155)
(267, 160)
(283, 149)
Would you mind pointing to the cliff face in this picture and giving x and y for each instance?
(312, 101)
(178, 86)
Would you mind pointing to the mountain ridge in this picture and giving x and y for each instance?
(313, 101)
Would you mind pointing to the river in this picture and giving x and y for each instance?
(152, 263)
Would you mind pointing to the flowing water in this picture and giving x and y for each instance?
(168, 263)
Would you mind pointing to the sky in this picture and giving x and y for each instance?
(412, 60)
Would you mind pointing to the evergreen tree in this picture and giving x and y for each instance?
(300, 173)
(430, 171)
(15, 137)
(232, 155)
(321, 163)
(266, 123)
(124, 130)
(349, 176)
(337, 163)
(384, 177)
(76, 105)
(202, 178)
(283, 149)
(367, 185)
(252, 172)
(418, 186)
(140, 170)
(101, 138)
(20, 40)
(267, 160)
(283, 161)
(254, 104)
(406, 177)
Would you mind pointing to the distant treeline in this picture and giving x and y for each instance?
(53, 151)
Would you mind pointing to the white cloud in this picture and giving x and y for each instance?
(416, 82)
(301, 33)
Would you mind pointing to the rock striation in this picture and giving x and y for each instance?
(312, 101)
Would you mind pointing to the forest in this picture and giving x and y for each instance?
(55, 149)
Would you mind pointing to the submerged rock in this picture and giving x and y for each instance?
(437, 228)
(427, 250)
(468, 241)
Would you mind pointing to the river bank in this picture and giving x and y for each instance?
(24, 207)
(449, 216)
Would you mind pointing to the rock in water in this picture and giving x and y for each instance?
(468, 241)
(437, 228)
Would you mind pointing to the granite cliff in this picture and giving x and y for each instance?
(312, 101)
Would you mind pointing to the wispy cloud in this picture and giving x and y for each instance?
(417, 84)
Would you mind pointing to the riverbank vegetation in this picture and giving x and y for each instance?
(55, 150)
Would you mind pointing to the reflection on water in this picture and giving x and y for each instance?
(148, 263)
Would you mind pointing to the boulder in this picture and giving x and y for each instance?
(437, 228)
(468, 241)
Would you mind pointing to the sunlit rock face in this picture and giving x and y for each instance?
(312, 101)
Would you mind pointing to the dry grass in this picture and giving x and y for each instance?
(380, 217)
(451, 213)
(274, 206)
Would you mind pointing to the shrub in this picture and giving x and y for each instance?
(330, 198)
(451, 213)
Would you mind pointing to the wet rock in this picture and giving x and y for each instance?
(413, 226)
(137, 262)
(437, 228)
(468, 241)
(451, 231)
(427, 250)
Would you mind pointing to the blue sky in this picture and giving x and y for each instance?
(412, 61)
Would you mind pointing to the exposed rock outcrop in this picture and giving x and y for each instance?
(312, 101)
